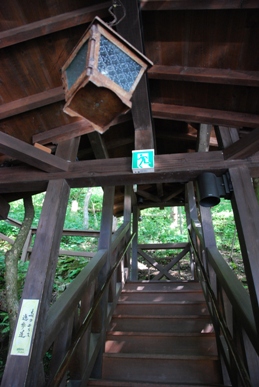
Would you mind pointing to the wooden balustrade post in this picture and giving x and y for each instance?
(134, 265)
(127, 218)
(99, 321)
(246, 213)
(27, 370)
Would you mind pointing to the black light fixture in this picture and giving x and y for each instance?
(211, 188)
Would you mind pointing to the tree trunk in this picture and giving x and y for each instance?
(86, 208)
(11, 264)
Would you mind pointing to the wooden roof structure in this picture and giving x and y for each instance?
(197, 107)
(202, 89)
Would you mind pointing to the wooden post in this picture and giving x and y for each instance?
(99, 322)
(26, 370)
(134, 265)
(127, 218)
(246, 213)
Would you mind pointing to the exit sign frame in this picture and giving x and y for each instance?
(143, 161)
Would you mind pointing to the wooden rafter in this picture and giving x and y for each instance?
(206, 116)
(226, 136)
(205, 75)
(32, 102)
(62, 133)
(35, 157)
(173, 168)
(244, 147)
(166, 5)
(98, 146)
(52, 24)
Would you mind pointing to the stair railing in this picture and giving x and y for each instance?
(69, 332)
(230, 308)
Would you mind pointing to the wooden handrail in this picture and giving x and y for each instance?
(239, 364)
(61, 309)
(236, 294)
(63, 367)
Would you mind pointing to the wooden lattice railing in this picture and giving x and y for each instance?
(157, 270)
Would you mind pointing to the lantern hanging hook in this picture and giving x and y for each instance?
(115, 4)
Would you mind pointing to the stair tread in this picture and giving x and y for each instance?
(151, 316)
(116, 383)
(160, 334)
(143, 302)
(160, 356)
(198, 290)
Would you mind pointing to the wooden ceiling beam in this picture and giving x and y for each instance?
(32, 102)
(166, 5)
(148, 196)
(53, 24)
(131, 29)
(205, 116)
(243, 148)
(28, 154)
(182, 137)
(98, 146)
(205, 75)
(172, 168)
(62, 133)
(226, 136)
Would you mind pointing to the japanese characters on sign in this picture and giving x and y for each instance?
(24, 330)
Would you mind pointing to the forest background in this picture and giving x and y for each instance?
(84, 213)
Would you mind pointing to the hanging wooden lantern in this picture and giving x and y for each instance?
(101, 75)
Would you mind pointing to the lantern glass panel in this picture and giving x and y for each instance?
(77, 66)
(117, 65)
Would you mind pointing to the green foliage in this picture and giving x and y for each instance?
(162, 226)
(224, 226)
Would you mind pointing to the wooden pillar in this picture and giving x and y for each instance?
(4, 208)
(99, 321)
(134, 265)
(127, 218)
(246, 213)
(26, 370)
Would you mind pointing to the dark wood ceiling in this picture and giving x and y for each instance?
(205, 76)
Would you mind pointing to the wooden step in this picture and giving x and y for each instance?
(161, 296)
(162, 308)
(143, 286)
(176, 324)
(115, 383)
(198, 344)
(161, 368)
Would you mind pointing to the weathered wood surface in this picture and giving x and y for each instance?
(179, 168)
(246, 213)
(204, 75)
(131, 29)
(165, 5)
(40, 276)
(243, 148)
(33, 156)
(204, 115)
(52, 24)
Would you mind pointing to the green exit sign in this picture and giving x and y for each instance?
(143, 161)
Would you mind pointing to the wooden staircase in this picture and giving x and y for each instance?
(160, 334)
